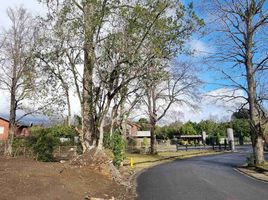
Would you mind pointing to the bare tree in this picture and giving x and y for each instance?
(242, 50)
(177, 86)
(18, 72)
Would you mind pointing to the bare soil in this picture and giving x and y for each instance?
(26, 179)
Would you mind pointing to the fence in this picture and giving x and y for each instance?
(220, 147)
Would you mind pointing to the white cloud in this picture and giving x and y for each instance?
(199, 48)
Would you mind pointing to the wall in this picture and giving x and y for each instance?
(4, 128)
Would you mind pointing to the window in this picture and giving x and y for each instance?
(2, 130)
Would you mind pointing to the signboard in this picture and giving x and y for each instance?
(2, 130)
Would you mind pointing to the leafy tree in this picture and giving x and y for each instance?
(144, 124)
(241, 114)
(188, 129)
(241, 129)
(208, 126)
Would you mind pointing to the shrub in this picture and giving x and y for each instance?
(62, 131)
(107, 141)
(132, 142)
(118, 147)
(17, 144)
(250, 160)
(44, 147)
(145, 142)
(42, 142)
(183, 142)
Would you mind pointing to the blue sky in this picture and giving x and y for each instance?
(202, 44)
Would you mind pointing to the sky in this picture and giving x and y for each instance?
(208, 108)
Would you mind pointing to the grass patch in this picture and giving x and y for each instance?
(143, 161)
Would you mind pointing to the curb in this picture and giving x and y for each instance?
(250, 176)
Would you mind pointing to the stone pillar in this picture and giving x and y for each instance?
(204, 136)
(230, 134)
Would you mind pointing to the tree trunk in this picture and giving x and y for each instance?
(153, 117)
(258, 149)
(88, 115)
(255, 129)
(153, 137)
(101, 135)
(12, 124)
(69, 116)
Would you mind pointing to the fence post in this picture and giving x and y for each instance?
(186, 147)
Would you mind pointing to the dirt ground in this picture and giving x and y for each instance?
(26, 179)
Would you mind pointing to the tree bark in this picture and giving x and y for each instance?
(101, 135)
(88, 113)
(255, 129)
(258, 150)
(153, 137)
(69, 116)
(153, 117)
(12, 123)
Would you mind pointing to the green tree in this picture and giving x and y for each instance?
(241, 129)
(188, 129)
(144, 124)
(208, 126)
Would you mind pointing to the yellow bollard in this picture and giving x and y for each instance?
(131, 163)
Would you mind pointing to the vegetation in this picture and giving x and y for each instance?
(136, 63)
(118, 148)
(42, 141)
(214, 130)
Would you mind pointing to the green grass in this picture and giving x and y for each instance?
(142, 161)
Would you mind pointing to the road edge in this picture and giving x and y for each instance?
(249, 175)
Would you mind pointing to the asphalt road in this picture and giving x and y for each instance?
(201, 178)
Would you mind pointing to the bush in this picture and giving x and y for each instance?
(118, 147)
(17, 144)
(42, 142)
(145, 142)
(62, 131)
(44, 147)
(132, 142)
(183, 142)
(107, 141)
(250, 160)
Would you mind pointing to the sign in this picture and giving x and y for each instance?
(2, 130)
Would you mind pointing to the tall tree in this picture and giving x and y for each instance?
(175, 87)
(18, 72)
(241, 32)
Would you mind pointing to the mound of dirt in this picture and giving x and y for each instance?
(98, 161)
(26, 179)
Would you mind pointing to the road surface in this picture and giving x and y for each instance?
(201, 178)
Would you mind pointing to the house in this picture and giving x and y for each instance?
(4, 128)
(140, 136)
(131, 129)
(22, 130)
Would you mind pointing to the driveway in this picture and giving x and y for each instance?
(201, 178)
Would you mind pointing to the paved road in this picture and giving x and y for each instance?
(201, 178)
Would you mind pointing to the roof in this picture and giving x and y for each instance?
(133, 123)
(4, 119)
(190, 136)
(143, 134)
